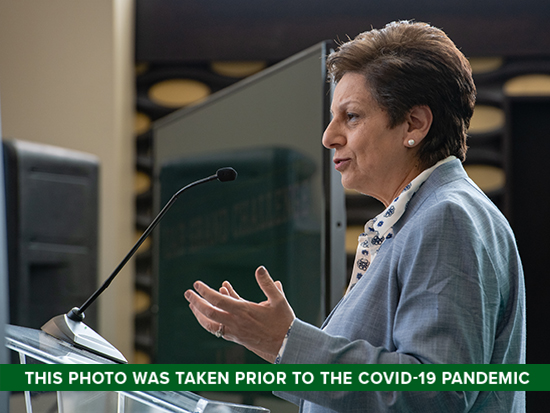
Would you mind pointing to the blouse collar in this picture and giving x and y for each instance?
(380, 228)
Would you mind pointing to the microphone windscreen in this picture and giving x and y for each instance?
(226, 174)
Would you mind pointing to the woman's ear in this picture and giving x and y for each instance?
(419, 120)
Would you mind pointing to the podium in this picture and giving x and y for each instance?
(35, 346)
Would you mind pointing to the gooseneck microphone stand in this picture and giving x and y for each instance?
(70, 327)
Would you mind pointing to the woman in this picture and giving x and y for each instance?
(437, 276)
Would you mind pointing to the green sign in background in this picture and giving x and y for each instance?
(270, 215)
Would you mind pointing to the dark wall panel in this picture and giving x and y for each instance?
(529, 146)
(195, 30)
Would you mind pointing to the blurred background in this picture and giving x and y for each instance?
(96, 76)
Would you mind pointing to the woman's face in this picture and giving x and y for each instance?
(372, 158)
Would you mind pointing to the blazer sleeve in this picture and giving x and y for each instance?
(449, 300)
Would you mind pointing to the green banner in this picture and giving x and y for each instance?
(263, 377)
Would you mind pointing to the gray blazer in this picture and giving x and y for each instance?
(447, 288)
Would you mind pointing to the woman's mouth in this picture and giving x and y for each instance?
(341, 163)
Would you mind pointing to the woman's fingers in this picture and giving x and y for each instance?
(260, 327)
(217, 299)
(270, 288)
(204, 308)
(205, 322)
(231, 291)
(279, 286)
(212, 308)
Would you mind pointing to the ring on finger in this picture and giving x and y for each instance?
(219, 333)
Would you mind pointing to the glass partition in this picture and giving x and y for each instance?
(285, 210)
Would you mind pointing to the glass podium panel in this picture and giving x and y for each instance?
(35, 346)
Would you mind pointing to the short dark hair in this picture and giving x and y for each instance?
(409, 64)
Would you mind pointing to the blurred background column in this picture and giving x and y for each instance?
(67, 79)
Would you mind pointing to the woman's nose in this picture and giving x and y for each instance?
(332, 137)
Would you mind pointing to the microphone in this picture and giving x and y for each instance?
(70, 328)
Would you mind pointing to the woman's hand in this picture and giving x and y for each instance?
(260, 327)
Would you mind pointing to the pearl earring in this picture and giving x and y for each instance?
(411, 142)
